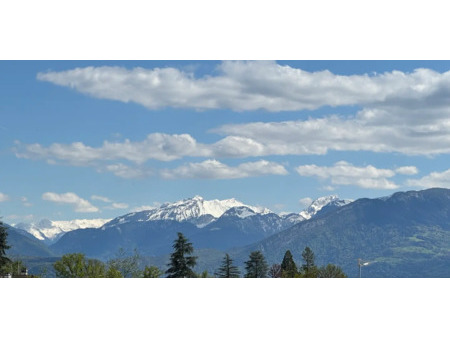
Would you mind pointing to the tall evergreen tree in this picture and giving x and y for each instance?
(180, 262)
(309, 268)
(227, 269)
(256, 266)
(288, 267)
(3, 246)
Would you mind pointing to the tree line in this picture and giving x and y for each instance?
(181, 265)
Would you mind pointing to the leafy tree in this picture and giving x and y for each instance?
(181, 261)
(71, 266)
(152, 272)
(112, 272)
(94, 269)
(275, 271)
(128, 266)
(3, 246)
(309, 269)
(14, 267)
(256, 266)
(331, 271)
(75, 265)
(288, 267)
(227, 269)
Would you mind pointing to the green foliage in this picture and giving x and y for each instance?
(128, 266)
(71, 266)
(14, 267)
(288, 267)
(256, 266)
(275, 271)
(3, 246)
(95, 269)
(152, 272)
(204, 274)
(309, 269)
(331, 271)
(227, 269)
(181, 263)
(112, 272)
(75, 265)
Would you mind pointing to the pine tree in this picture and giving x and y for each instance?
(288, 267)
(227, 269)
(309, 269)
(3, 246)
(180, 264)
(256, 266)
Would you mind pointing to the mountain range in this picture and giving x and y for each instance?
(403, 235)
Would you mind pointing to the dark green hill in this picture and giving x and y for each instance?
(405, 235)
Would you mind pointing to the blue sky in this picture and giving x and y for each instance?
(98, 139)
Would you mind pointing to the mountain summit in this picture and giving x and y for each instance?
(195, 210)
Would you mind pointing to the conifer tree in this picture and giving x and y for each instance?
(288, 267)
(180, 260)
(3, 245)
(256, 266)
(227, 269)
(309, 269)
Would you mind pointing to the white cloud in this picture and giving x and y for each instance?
(409, 170)
(305, 202)
(100, 198)
(80, 205)
(213, 169)
(3, 197)
(254, 85)
(147, 207)
(124, 171)
(157, 146)
(433, 180)
(119, 205)
(343, 173)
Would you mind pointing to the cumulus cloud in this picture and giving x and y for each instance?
(157, 146)
(147, 207)
(100, 198)
(3, 197)
(409, 170)
(125, 171)
(80, 204)
(305, 202)
(344, 173)
(433, 180)
(119, 206)
(213, 169)
(243, 86)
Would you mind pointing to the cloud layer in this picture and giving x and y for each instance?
(344, 173)
(253, 85)
(212, 169)
(79, 204)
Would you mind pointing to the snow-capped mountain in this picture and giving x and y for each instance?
(195, 210)
(329, 202)
(50, 231)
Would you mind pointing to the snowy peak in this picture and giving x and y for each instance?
(241, 212)
(194, 208)
(321, 203)
(50, 231)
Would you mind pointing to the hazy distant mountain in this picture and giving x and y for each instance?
(50, 231)
(404, 235)
(23, 244)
